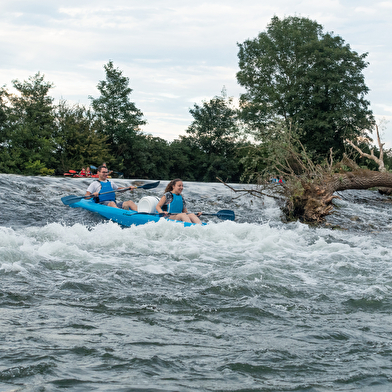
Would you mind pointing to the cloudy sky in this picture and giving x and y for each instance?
(175, 53)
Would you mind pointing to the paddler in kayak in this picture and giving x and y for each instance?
(173, 205)
(101, 185)
(82, 173)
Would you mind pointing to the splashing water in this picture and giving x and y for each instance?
(233, 306)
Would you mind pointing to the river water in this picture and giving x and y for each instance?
(250, 305)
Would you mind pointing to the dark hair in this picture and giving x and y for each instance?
(170, 185)
(101, 167)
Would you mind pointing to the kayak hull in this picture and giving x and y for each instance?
(123, 217)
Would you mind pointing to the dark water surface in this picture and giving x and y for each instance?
(251, 305)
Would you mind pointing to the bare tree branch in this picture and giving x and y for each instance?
(253, 192)
(380, 160)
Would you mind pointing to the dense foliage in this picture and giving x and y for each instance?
(27, 127)
(38, 137)
(311, 79)
(77, 141)
(119, 120)
(215, 134)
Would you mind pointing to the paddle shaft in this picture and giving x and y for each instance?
(104, 193)
(211, 214)
(222, 214)
(145, 186)
(67, 200)
(74, 199)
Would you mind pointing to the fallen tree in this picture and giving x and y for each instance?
(314, 202)
(309, 190)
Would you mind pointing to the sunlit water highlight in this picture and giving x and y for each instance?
(251, 305)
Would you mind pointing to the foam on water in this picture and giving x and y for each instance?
(232, 250)
(253, 304)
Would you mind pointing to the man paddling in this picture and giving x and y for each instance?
(101, 185)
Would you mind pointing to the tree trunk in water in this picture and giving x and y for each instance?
(385, 191)
(315, 202)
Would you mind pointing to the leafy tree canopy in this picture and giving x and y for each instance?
(119, 118)
(215, 126)
(28, 125)
(215, 132)
(311, 79)
(78, 143)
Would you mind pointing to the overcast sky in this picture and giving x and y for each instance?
(175, 53)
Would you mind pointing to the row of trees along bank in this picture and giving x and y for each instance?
(38, 137)
(299, 82)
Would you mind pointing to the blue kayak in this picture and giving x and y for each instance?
(123, 217)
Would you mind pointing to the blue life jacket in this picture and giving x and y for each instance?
(176, 206)
(106, 187)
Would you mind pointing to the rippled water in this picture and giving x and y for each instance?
(251, 305)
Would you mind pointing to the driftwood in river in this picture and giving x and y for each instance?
(309, 196)
(315, 200)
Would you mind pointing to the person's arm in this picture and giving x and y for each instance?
(130, 188)
(160, 204)
(115, 187)
(95, 194)
(92, 190)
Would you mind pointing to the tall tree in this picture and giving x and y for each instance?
(6, 163)
(119, 118)
(311, 79)
(29, 126)
(78, 143)
(153, 158)
(215, 131)
(186, 160)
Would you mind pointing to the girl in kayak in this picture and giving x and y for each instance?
(173, 205)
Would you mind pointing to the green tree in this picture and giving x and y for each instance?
(28, 126)
(118, 117)
(186, 160)
(311, 79)
(6, 163)
(214, 131)
(152, 157)
(78, 143)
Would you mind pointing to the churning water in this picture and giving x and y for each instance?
(251, 305)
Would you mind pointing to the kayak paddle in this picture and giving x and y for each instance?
(67, 200)
(222, 214)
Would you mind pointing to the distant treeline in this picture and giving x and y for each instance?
(40, 138)
(304, 89)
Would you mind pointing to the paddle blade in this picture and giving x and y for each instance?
(67, 200)
(149, 186)
(93, 167)
(226, 215)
